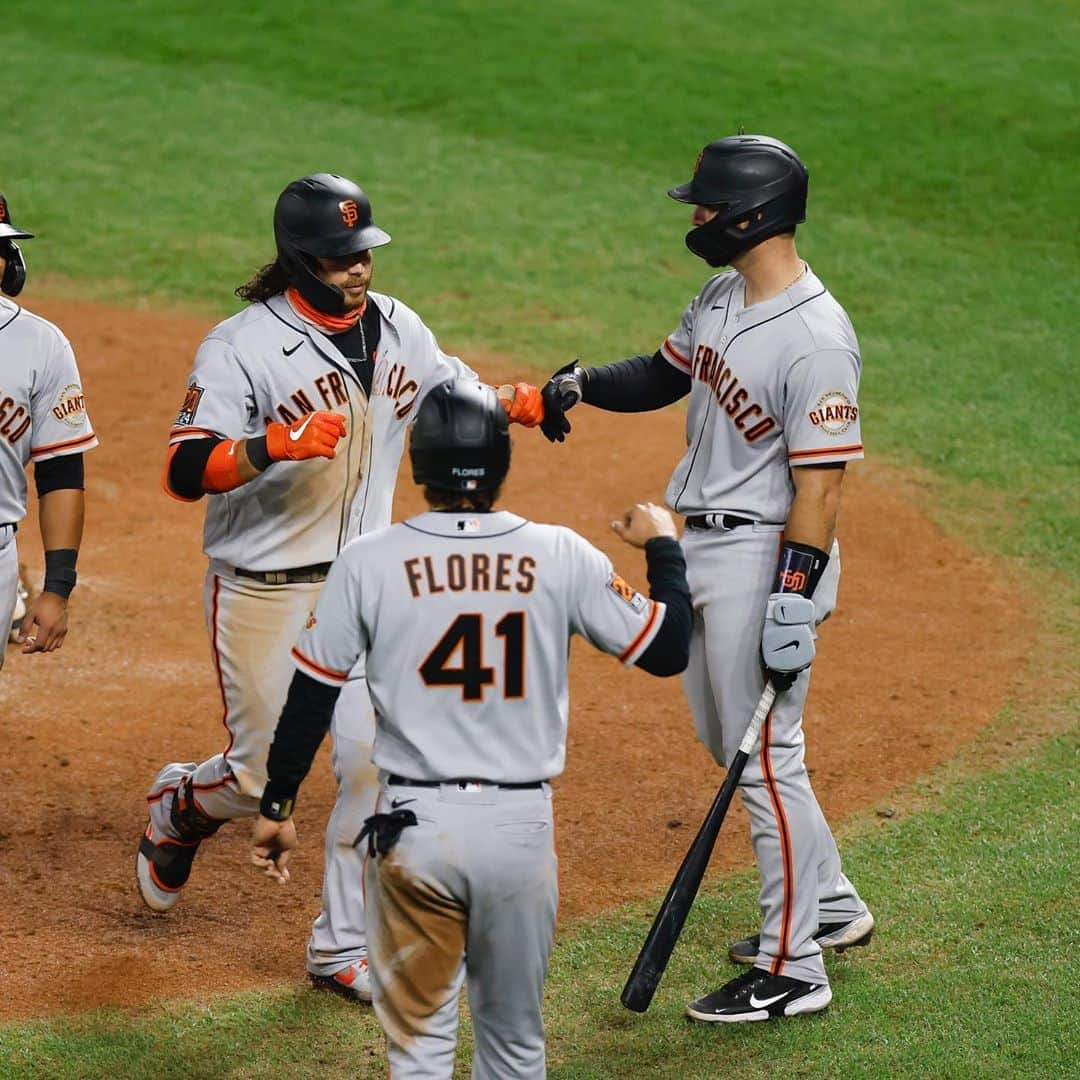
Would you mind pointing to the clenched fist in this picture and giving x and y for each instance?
(645, 522)
(313, 435)
(522, 403)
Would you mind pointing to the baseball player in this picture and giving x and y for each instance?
(293, 424)
(42, 419)
(772, 365)
(465, 616)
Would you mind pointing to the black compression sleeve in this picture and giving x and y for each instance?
(668, 652)
(303, 725)
(58, 473)
(638, 384)
(188, 465)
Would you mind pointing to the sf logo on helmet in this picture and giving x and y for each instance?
(350, 213)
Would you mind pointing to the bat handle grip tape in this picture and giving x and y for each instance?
(768, 696)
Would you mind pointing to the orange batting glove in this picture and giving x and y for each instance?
(523, 403)
(313, 435)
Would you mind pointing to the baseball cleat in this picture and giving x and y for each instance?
(352, 983)
(162, 868)
(837, 935)
(757, 995)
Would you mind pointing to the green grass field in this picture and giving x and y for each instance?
(519, 154)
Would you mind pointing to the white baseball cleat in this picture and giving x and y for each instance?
(840, 936)
(352, 983)
(162, 867)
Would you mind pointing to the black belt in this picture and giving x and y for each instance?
(717, 521)
(299, 575)
(10, 525)
(404, 781)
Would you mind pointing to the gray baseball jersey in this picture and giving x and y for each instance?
(42, 410)
(773, 385)
(266, 364)
(466, 622)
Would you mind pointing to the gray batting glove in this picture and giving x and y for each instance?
(787, 641)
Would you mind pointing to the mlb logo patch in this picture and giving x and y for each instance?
(468, 525)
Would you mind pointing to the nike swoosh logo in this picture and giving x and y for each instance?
(789, 645)
(395, 803)
(295, 436)
(766, 1002)
(289, 352)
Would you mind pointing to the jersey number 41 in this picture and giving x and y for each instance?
(458, 658)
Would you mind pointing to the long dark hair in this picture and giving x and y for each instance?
(271, 280)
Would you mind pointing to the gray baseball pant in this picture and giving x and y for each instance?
(731, 574)
(467, 895)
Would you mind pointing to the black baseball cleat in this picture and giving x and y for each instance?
(757, 995)
(837, 935)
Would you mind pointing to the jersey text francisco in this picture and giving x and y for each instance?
(712, 369)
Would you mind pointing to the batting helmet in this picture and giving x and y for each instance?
(323, 216)
(14, 277)
(460, 439)
(749, 178)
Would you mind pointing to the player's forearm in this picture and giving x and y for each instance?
(303, 725)
(669, 651)
(60, 516)
(637, 384)
(815, 507)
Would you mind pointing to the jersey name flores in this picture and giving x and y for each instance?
(773, 385)
(466, 621)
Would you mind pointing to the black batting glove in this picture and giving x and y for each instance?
(560, 394)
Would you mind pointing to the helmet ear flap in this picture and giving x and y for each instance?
(15, 269)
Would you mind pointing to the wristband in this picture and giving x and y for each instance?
(800, 569)
(257, 453)
(274, 808)
(60, 576)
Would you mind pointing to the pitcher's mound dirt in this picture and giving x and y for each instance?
(85, 730)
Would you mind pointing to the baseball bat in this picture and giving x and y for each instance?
(653, 959)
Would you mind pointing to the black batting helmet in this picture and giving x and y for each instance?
(323, 216)
(744, 176)
(460, 438)
(14, 277)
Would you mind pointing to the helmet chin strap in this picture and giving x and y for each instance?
(326, 298)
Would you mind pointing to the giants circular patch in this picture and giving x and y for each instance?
(70, 406)
(834, 413)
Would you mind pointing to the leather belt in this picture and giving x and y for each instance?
(299, 575)
(717, 521)
(10, 525)
(404, 781)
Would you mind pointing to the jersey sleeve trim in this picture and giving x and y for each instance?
(68, 446)
(674, 357)
(317, 671)
(644, 638)
(178, 435)
(827, 453)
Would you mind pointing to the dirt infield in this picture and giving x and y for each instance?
(86, 729)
